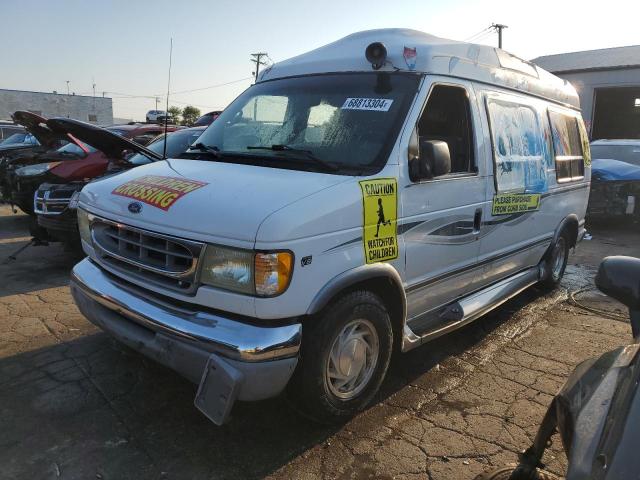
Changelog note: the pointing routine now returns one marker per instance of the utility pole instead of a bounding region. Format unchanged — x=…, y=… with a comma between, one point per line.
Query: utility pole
x=68, y=92
x=257, y=59
x=498, y=27
x=157, y=100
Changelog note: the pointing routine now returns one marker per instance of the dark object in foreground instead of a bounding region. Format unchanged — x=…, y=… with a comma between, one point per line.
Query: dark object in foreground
x=597, y=410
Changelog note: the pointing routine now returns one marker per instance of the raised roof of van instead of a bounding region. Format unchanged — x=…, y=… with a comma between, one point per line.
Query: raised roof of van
x=433, y=55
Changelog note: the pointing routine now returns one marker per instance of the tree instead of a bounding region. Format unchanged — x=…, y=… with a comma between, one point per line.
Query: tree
x=175, y=113
x=190, y=115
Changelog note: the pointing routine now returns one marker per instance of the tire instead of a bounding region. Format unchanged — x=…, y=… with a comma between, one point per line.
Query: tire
x=26, y=208
x=555, y=262
x=346, y=325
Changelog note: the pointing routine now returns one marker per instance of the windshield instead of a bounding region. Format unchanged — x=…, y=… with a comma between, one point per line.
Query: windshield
x=624, y=153
x=348, y=120
x=75, y=149
x=20, y=138
x=177, y=142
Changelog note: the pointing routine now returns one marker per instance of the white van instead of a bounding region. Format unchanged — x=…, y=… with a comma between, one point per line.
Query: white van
x=365, y=197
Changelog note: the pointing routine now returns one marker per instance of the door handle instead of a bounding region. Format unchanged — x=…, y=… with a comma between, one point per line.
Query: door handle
x=477, y=220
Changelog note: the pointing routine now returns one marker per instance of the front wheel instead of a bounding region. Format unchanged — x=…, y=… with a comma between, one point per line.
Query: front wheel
x=555, y=262
x=345, y=356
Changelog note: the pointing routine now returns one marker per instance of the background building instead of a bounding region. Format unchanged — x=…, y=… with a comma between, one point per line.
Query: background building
x=98, y=110
x=608, y=82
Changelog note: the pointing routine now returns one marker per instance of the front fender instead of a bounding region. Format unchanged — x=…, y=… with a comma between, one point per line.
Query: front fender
x=357, y=275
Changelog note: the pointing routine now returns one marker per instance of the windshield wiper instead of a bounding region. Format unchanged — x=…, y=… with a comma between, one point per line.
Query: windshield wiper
x=307, y=154
x=213, y=150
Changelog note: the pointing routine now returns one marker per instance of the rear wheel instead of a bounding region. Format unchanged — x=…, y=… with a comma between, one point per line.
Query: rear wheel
x=555, y=262
x=345, y=356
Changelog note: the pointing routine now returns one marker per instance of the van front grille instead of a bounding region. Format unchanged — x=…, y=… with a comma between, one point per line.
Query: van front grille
x=166, y=261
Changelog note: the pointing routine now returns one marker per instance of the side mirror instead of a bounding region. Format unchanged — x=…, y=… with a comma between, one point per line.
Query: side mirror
x=619, y=277
x=433, y=160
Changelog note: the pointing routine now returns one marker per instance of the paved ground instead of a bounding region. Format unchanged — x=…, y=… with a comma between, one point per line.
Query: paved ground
x=76, y=405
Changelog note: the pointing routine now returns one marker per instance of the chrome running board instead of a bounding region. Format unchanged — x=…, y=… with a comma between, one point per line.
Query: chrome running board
x=468, y=309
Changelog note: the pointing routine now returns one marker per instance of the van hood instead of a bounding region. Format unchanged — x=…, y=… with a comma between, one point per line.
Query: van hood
x=202, y=200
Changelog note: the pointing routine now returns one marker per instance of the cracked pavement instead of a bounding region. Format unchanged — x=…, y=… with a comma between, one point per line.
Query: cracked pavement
x=74, y=404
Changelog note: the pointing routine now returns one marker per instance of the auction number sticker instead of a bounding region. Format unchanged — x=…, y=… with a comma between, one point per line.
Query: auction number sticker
x=371, y=104
x=509, y=203
x=380, y=219
x=158, y=191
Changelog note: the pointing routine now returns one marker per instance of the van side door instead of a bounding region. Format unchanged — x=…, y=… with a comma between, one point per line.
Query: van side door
x=518, y=222
x=442, y=215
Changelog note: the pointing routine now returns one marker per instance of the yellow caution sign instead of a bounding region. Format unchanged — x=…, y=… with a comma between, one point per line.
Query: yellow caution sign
x=509, y=203
x=380, y=219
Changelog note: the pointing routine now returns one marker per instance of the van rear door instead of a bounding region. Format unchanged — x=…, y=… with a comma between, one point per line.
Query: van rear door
x=517, y=227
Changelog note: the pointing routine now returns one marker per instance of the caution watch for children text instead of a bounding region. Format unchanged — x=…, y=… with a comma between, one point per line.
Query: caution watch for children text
x=380, y=219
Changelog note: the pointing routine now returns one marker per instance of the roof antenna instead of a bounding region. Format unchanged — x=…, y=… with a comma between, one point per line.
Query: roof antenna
x=166, y=113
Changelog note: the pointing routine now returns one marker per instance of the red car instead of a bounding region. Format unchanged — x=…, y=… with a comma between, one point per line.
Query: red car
x=53, y=202
x=141, y=133
x=74, y=161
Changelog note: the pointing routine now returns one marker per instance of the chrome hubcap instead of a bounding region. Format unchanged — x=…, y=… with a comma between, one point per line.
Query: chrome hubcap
x=557, y=258
x=352, y=359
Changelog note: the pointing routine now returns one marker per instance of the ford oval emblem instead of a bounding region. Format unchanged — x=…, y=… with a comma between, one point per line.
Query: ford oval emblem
x=135, y=207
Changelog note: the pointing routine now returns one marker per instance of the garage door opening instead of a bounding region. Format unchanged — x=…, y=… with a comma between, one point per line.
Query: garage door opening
x=617, y=113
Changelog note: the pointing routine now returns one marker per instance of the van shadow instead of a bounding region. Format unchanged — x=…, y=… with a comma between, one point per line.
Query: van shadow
x=92, y=407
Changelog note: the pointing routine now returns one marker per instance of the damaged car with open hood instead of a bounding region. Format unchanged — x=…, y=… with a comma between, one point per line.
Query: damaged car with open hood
x=22, y=172
x=55, y=202
x=13, y=156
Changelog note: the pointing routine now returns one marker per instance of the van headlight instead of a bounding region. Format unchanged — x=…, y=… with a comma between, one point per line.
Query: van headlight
x=84, y=225
x=254, y=273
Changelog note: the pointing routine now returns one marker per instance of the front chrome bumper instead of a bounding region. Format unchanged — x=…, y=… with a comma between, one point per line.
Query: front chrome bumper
x=229, y=359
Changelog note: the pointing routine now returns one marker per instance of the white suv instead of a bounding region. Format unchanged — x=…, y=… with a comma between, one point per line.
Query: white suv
x=156, y=115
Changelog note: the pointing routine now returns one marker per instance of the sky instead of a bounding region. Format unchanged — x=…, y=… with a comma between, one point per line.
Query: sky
x=123, y=46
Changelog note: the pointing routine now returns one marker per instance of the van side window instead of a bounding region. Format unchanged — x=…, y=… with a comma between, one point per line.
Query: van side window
x=519, y=147
x=447, y=117
x=567, y=147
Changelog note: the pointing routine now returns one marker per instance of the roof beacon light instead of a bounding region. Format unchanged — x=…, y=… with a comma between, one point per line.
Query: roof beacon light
x=376, y=54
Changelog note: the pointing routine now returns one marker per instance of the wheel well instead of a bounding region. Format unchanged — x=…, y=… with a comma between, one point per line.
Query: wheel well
x=391, y=295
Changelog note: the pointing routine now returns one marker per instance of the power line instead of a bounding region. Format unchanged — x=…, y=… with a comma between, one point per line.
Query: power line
x=478, y=34
x=212, y=86
x=482, y=37
x=162, y=95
